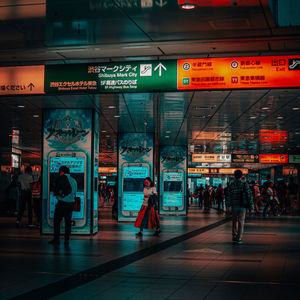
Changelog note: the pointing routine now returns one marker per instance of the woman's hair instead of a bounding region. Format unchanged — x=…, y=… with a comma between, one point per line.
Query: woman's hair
x=150, y=180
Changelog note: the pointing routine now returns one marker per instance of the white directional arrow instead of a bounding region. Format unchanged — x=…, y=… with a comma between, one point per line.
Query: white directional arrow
x=161, y=3
x=160, y=66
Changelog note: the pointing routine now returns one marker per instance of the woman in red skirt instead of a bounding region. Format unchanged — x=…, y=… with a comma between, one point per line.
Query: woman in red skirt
x=148, y=215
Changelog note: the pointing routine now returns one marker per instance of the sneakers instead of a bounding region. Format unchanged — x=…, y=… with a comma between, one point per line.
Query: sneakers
x=234, y=238
x=239, y=242
x=17, y=223
x=53, y=242
x=139, y=234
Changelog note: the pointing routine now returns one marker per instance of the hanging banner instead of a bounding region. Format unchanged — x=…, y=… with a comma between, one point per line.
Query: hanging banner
x=27, y=80
x=173, y=183
x=67, y=141
x=135, y=163
x=239, y=72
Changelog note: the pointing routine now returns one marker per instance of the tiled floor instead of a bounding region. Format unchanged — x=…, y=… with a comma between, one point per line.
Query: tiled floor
x=205, y=266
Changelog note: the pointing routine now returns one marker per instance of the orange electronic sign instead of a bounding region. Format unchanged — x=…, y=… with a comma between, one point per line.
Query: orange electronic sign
x=107, y=170
x=231, y=171
x=270, y=136
x=273, y=158
x=239, y=72
x=22, y=80
x=198, y=170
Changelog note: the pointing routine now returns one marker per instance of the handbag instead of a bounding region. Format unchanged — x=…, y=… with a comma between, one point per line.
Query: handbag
x=77, y=205
x=152, y=201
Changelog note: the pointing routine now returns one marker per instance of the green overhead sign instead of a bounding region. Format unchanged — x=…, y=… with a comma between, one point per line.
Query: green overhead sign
x=146, y=76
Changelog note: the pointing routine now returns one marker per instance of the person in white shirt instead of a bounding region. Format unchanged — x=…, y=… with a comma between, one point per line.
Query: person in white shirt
x=25, y=180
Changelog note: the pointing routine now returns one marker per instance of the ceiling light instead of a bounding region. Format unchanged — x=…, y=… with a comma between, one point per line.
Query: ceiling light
x=168, y=131
x=188, y=4
x=295, y=108
x=21, y=106
x=279, y=118
x=167, y=136
x=265, y=108
x=252, y=117
x=111, y=106
x=36, y=116
x=116, y=116
x=107, y=136
x=103, y=131
x=281, y=146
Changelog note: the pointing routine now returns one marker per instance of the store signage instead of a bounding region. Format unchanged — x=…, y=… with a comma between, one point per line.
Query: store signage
x=28, y=80
x=231, y=171
x=245, y=158
x=273, y=135
x=107, y=170
x=211, y=158
x=273, y=158
x=15, y=160
x=112, y=77
x=198, y=170
x=239, y=72
x=294, y=159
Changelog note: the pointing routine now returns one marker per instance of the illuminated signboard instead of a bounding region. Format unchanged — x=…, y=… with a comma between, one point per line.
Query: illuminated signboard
x=245, y=158
x=273, y=158
x=294, y=159
x=211, y=158
x=22, y=80
x=270, y=136
x=198, y=170
x=239, y=72
x=112, y=77
x=231, y=171
x=107, y=170
x=15, y=161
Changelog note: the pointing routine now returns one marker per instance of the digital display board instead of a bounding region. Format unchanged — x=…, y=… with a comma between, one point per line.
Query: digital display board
x=245, y=158
x=133, y=186
x=77, y=171
x=294, y=159
x=273, y=158
x=273, y=136
x=172, y=189
x=211, y=158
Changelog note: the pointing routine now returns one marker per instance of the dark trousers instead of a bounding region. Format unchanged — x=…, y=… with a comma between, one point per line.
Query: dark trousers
x=272, y=204
x=25, y=198
x=63, y=210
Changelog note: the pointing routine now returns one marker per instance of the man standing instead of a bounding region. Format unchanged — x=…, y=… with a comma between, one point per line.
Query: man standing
x=238, y=193
x=25, y=180
x=65, y=191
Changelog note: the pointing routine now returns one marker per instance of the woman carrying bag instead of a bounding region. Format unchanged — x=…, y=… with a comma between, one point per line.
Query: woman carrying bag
x=148, y=217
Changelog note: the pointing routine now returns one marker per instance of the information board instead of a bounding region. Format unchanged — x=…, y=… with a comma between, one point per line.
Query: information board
x=173, y=189
x=273, y=158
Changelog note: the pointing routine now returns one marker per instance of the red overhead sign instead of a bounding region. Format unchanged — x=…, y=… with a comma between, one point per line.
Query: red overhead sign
x=273, y=158
x=239, y=72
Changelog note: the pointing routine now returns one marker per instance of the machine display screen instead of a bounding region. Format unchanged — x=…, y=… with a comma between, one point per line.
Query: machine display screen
x=133, y=186
x=173, y=189
x=77, y=170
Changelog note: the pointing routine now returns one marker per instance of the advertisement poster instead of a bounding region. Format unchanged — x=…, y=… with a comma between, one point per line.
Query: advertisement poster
x=135, y=163
x=95, y=173
x=173, y=174
x=67, y=140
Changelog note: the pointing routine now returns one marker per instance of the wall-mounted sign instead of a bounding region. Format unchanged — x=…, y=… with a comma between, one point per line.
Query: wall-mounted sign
x=294, y=159
x=15, y=160
x=269, y=136
x=211, y=158
x=239, y=72
x=198, y=171
x=112, y=77
x=22, y=80
x=245, y=158
x=231, y=171
x=273, y=158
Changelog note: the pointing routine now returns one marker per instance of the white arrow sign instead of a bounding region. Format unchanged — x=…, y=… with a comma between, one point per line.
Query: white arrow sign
x=160, y=66
x=161, y=3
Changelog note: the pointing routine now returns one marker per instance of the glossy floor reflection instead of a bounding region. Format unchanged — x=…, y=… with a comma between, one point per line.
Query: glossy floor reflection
x=206, y=266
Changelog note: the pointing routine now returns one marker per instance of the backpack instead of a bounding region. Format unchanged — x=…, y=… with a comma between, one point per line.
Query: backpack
x=62, y=186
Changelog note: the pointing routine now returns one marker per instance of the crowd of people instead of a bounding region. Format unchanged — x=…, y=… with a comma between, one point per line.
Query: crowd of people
x=269, y=198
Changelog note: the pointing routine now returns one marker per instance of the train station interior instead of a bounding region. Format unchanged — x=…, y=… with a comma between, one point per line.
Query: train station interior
x=185, y=92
